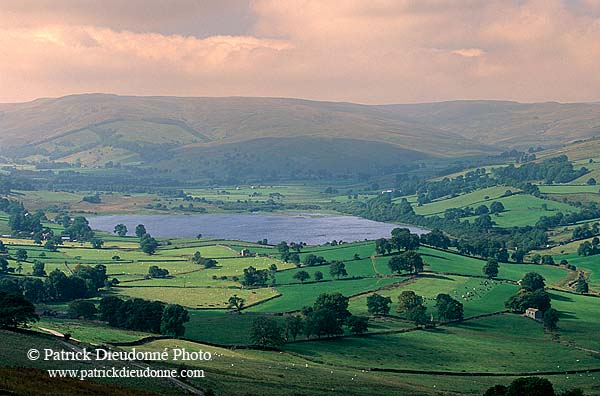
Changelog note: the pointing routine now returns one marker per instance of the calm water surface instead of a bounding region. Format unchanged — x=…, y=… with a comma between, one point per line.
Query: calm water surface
x=312, y=228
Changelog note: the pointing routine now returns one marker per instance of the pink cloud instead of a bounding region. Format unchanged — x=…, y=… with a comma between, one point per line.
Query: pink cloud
x=376, y=51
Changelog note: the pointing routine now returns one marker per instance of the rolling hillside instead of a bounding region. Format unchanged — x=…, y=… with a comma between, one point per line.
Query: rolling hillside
x=262, y=134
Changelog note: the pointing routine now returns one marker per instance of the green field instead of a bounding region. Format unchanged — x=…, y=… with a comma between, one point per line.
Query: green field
x=295, y=297
x=522, y=210
x=499, y=344
x=480, y=197
x=494, y=344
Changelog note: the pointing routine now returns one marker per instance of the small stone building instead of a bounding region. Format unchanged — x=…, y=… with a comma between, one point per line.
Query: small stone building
x=534, y=313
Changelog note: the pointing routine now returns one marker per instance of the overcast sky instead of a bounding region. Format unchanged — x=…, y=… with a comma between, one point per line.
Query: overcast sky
x=367, y=51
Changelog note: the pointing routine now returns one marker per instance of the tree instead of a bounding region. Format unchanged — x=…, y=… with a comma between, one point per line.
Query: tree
x=518, y=256
x=3, y=264
x=38, y=268
x=109, y=308
x=481, y=209
x=358, y=324
x=496, y=390
x=21, y=255
x=502, y=255
x=120, y=230
x=408, y=300
x=496, y=207
x=236, y=303
x=311, y=259
x=403, y=239
x=155, y=272
x=383, y=246
x=15, y=310
x=484, y=222
x=265, y=332
x=530, y=386
x=318, y=275
x=148, y=244
x=293, y=326
x=197, y=258
x=82, y=308
x=97, y=243
x=378, y=304
x=32, y=289
x=206, y=262
x=301, y=276
x=284, y=250
x=582, y=285
x=327, y=315
x=533, y=281
x=418, y=315
x=591, y=181
x=335, y=302
x=254, y=277
x=524, y=299
x=140, y=230
x=448, y=308
x=547, y=259
x=172, y=320
x=337, y=269
x=490, y=269
x=551, y=318
x=3, y=249
x=409, y=260
x=80, y=229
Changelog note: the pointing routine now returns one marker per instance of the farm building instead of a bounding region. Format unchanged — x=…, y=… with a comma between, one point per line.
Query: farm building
x=534, y=313
x=246, y=253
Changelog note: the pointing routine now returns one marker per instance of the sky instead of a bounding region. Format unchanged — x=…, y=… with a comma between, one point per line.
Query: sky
x=376, y=51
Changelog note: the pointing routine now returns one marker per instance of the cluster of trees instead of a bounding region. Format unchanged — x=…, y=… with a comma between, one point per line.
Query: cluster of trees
x=290, y=253
x=581, y=285
x=58, y=287
x=458, y=213
x=143, y=315
x=15, y=310
x=401, y=239
x=8, y=183
x=592, y=211
x=552, y=170
x=412, y=307
x=325, y=318
x=470, y=181
x=155, y=272
x=588, y=248
x=21, y=221
x=94, y=199
x=408, y=261
x=148, y=244
x=530, y=386
x=585, y=231
x=255, y=277
x=532, y=294
x=79, y=229
x=203, y=261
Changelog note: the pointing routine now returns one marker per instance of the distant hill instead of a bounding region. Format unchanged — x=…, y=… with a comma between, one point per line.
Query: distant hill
x=507, y=124
x=185, y=133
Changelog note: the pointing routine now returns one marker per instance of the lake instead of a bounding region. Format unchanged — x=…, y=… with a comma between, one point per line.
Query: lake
x=311, y=228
